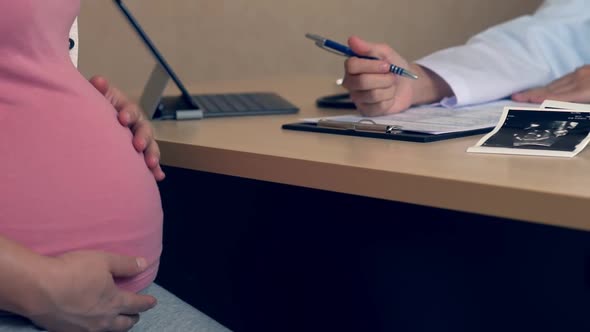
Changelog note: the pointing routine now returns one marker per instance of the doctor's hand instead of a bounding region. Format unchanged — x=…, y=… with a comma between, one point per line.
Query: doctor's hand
x=375, y=91
x=131, y=116
x=573, y=87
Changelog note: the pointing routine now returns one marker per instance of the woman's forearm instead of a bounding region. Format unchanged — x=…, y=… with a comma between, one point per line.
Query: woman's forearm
x=20, y=277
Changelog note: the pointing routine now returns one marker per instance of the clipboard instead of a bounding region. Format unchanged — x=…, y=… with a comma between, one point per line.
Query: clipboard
x=368, y=128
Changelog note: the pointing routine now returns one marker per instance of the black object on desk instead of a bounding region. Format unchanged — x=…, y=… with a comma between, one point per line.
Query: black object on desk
x=368, y=128
x=187, y=106
x=340, y=101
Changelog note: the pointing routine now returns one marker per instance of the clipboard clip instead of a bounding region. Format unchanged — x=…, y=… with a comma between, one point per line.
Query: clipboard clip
x=364, y=125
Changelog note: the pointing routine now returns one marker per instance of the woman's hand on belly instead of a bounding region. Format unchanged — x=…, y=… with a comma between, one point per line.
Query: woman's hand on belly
x=131, y=116
x=79, y=294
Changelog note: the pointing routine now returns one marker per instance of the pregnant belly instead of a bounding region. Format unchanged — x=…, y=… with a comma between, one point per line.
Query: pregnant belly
x=72, y=180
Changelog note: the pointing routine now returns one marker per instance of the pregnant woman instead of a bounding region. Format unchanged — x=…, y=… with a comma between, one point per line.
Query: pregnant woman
x=80, y=213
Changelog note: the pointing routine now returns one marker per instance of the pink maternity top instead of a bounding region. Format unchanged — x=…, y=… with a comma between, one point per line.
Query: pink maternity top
x=70, y=178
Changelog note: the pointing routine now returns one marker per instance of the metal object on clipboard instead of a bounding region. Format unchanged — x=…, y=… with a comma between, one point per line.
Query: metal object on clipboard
x=364, y=125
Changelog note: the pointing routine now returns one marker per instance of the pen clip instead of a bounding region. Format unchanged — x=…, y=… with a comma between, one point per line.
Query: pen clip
x=331, y=50
x=321, y=43
x=363, y=125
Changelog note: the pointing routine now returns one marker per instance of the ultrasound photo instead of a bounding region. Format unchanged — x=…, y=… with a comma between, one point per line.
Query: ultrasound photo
x=533, y=131
x=544, y=130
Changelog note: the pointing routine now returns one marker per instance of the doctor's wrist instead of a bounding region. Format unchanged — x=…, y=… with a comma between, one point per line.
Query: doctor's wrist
x=429, y=87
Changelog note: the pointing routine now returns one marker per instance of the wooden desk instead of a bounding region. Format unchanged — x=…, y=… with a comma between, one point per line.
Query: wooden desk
x=326, y=261
x=550, y=191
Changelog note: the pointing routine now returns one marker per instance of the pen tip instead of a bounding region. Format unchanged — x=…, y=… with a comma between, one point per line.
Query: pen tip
x=409, y=75
x=314, y=37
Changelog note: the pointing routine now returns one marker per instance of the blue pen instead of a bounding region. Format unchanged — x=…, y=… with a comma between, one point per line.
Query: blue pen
x=336, y=48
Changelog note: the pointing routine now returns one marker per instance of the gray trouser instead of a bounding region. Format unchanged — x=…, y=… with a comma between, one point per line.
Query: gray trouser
x=170, y=315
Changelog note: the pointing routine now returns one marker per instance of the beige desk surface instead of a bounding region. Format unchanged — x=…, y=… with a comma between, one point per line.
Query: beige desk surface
x=551, y=191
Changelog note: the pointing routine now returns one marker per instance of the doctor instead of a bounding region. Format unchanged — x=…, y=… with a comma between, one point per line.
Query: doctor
x=531, y=58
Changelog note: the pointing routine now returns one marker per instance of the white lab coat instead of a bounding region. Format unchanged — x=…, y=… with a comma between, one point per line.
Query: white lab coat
x=526, y=52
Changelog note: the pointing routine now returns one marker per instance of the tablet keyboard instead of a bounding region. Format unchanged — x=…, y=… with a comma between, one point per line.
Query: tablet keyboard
x=240, y=103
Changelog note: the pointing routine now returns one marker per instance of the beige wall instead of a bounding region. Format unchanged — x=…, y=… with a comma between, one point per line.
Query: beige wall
x=217, y=39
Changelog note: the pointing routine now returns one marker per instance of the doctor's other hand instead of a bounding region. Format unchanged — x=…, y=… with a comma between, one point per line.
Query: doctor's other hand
x=573, y=87
x=376, y=91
